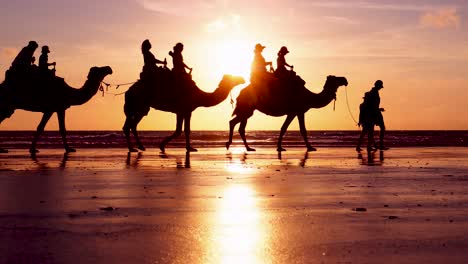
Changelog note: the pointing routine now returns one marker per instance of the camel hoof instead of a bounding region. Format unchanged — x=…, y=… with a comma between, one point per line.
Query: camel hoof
x=141, y=148
x=279, y=149
x=68, y=150
x=33, y=151
x=190, y=149
x=310, y=148
x=228, y=145
x=132, y=150
x=162, y=148
x=3, y=150
x=250, y=149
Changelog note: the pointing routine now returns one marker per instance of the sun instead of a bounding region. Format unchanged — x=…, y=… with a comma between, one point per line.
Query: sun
x=232, y=56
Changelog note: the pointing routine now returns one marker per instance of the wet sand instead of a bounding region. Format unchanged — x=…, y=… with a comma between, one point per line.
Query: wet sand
x=409, y=205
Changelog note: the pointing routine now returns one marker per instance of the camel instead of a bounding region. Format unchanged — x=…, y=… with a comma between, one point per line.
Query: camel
x=278, y=98
x=173, y=94
x=47, y=94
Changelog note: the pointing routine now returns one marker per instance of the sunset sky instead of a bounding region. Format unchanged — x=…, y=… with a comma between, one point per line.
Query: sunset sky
x=418, y=48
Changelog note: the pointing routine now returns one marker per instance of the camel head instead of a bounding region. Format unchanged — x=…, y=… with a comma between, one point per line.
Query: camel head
x=334, y=82
x=98, y=73
x=231, y=81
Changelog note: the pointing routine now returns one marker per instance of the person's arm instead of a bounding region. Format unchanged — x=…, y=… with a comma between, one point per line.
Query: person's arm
x=187, y=67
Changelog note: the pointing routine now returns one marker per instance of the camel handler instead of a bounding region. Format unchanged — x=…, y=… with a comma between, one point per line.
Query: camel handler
x=371, y=115
x=44, y=62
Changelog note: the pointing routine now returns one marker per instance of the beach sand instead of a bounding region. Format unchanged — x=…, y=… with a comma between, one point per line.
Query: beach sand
x=407, y=205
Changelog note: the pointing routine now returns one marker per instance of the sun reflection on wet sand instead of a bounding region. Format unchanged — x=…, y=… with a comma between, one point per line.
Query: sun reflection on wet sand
x=239, y=236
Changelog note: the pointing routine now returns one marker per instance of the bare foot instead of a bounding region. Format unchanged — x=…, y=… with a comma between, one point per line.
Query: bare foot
x=249, y=149
x=68, y=150
x=190, y=149
x=310, y=148
x=33, y=151
x=141, y=147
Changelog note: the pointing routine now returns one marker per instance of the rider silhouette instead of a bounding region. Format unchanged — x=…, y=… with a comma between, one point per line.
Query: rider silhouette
x=281, y=63
x=44, y=61
x=178, y=60
x=24, y=58
x=259, y=64
x=149, y=68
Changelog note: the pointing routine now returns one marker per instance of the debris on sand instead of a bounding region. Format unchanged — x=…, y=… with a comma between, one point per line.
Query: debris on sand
x=391, y=217
x=360, y=209
x=107, y=209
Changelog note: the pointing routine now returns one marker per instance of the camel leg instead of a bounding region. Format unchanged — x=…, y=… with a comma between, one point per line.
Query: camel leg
x=126, y=130
x=232, y=125
x=3, y=117
x=40, y=129
x=303, y=130
x=242, y=126
x=177, y=132
x=136, y=121
x=63, y=131
x=284, y=127
x=187, y=134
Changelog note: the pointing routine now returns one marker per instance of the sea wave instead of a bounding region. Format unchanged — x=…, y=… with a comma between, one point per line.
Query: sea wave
x=116, y=139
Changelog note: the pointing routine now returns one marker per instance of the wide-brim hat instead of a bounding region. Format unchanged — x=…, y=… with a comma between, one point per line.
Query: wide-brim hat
x=259, y=46
x=45, y=49
x=284, y=50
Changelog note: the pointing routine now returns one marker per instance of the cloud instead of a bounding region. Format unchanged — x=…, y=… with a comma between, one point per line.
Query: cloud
x=231, y=23
x=441, y=18
x=179, y=7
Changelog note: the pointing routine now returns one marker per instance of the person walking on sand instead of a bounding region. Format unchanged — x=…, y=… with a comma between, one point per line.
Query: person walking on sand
x=178, y=60
x=44, y=61
x=371, y=115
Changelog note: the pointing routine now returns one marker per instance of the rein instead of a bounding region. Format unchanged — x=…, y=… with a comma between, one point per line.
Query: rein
x=117, y=86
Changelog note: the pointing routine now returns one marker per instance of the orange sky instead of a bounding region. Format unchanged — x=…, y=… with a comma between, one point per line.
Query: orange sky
x=418, y=49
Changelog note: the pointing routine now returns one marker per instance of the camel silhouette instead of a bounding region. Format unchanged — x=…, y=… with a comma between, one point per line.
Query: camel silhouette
x=279, y=98
x=47, y=94
x=172, y=94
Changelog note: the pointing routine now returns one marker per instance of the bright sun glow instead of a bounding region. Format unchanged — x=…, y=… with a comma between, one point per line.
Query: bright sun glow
x=233, y=57
x=239, y=232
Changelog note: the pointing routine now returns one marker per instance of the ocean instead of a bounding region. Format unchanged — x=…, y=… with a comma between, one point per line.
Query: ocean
x=200, y=139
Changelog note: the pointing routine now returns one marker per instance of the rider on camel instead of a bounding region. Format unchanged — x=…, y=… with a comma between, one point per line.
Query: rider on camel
x=281, y=64
x=44, y=62
x=149, y=68
x=178, y=60
x=259, y=64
